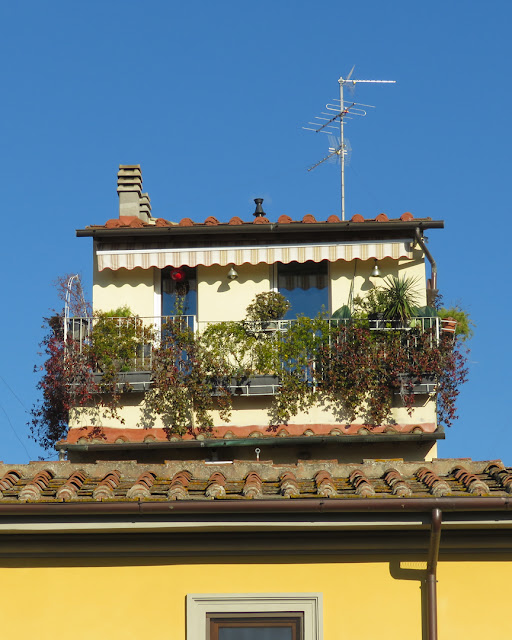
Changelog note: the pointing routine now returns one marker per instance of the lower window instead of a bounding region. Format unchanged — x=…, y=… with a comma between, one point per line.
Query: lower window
x=255, y=628
x=255, y=616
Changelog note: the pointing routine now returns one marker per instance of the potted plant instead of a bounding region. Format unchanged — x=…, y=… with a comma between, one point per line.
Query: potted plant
x=372, y=306
x=458, y=321
x=401, y=299
x=266, y=307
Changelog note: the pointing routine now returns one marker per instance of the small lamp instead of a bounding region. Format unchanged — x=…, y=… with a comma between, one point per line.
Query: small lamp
x=232, y=274
x=375, y=271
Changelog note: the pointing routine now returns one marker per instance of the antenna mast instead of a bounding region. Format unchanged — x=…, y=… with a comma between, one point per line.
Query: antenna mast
x=342, y=112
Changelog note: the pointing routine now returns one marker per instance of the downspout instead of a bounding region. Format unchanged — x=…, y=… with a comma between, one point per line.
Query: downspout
x=433, y=555
x=432, y=292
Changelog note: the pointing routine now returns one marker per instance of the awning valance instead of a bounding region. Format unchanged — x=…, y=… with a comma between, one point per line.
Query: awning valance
x=116, y=257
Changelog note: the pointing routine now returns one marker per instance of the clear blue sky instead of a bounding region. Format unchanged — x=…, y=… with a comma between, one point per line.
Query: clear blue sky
x=209, y=97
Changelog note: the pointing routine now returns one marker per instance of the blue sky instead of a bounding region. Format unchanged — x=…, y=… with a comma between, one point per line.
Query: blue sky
x=210, y=98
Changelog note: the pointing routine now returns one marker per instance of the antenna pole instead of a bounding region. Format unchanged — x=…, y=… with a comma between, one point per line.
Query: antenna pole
x=326, y=125
x=342, y=154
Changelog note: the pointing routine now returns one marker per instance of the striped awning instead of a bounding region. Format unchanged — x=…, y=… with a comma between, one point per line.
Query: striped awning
x=129, y=257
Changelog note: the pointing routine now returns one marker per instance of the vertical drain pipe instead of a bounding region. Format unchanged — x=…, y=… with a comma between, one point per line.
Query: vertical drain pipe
x=433, y=554
x=432, y=292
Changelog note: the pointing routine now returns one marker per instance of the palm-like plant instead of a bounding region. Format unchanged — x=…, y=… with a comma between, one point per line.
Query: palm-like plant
x=402, y=297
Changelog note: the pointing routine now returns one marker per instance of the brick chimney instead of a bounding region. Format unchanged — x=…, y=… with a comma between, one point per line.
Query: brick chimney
x=132, y=202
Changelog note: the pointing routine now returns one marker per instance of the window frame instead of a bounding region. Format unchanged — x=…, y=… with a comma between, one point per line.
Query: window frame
x=200, y=606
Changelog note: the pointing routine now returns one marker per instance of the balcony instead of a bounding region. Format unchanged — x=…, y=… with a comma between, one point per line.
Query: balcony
x=128, y=348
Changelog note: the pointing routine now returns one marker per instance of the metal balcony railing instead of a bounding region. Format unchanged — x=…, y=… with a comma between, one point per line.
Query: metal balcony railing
x=147, y=332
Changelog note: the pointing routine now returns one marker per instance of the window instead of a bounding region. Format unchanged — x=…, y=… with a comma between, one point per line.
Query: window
x=255, y=628
x=305, y=286
x=256, y=616
x=179, y=291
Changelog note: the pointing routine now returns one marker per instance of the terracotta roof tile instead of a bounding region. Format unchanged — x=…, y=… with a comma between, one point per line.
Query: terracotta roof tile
x=289, y=486
x=436, y=485
x=471, y=481
x=56, y=482
x=142, y=488
x=503, y=477
x=398, y=485
x=216, y=486
x=134, y=222
x=107, y=485
x=9, y=480
x=253, y=486
x=32, y=490
x=110, y=434
x=178, y=489
x=325, y=485
x=361, y=484
x=69, y=490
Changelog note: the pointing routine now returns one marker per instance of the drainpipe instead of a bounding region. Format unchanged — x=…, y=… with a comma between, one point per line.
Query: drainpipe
x=433, y=554
x=432, y=292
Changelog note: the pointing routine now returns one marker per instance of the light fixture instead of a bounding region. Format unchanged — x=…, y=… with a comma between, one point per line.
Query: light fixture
x=375, y=271
x=232, y=274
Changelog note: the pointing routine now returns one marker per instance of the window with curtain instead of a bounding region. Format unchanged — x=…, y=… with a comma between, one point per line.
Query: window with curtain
x=305, y=285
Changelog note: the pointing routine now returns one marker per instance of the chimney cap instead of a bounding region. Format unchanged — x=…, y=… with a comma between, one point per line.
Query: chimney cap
x=259, y=213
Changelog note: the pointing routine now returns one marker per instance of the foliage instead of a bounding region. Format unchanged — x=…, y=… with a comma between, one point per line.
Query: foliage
x=360, y=372
x=186, y=372
x=402, y=297
x=67, y=382
x=269, y=305
x=116, y=344
x=465, y=326
x=375, y=301
x=396, y=299
x=365, y=369
x=296, y=351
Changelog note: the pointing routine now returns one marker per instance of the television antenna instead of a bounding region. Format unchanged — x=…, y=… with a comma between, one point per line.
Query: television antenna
x=329, y=123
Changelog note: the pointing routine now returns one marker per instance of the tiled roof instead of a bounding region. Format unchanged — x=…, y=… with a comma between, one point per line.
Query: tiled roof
x=115, y=435
x=134, y=222
x=57, y=482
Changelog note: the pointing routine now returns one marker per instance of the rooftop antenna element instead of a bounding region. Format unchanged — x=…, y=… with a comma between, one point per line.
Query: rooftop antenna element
x=342, y=113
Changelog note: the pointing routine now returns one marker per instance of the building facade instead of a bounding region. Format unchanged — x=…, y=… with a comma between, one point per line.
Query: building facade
x=199, y=514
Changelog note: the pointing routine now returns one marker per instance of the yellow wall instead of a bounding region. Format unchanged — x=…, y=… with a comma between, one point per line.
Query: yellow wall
x=246, y=412
x=220, y=299
x=54, y=599
x=343, y=273
x=131, y=287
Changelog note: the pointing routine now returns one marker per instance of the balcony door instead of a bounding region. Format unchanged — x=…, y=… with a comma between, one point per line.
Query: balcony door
x=179, y=291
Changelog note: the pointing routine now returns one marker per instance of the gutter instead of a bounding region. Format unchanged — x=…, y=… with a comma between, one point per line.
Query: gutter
x=253, y=442
x=251, y=229
x=259, y=506
x=433, y=265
